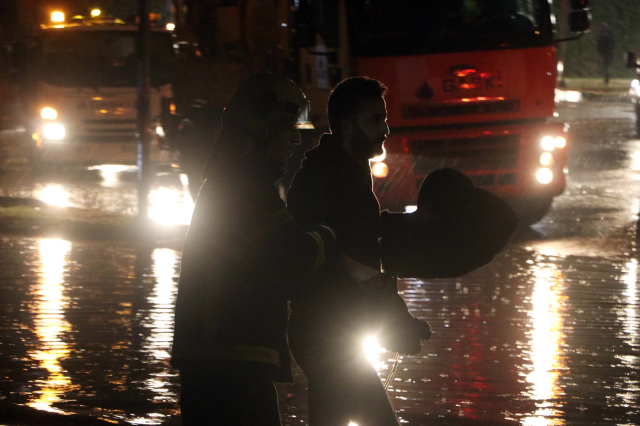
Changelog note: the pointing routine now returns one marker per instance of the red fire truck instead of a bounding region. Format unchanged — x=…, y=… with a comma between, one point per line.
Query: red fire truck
x=471, y=82
x=471, y=87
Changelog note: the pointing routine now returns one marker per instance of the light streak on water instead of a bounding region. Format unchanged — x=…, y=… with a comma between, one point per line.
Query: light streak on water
x=51, y=328
x=547, y=340
x=55, y=195
x=160, y=320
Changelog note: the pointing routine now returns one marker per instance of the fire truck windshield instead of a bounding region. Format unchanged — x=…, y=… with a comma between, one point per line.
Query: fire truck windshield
x=409, y=27
x=100, y=58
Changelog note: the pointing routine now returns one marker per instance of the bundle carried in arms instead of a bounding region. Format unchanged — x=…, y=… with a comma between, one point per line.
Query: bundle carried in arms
x=456, y=229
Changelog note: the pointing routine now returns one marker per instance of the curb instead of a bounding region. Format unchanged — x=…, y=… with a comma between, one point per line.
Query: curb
x=34, y=218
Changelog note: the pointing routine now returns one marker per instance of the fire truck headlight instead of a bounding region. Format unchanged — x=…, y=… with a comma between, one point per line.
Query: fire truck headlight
x=544, y=176
x=547, y=143
x=546, y=159
x=57, y=17
x=560, y=142
x=379, y=170
x=54, y=131
x=48, y=113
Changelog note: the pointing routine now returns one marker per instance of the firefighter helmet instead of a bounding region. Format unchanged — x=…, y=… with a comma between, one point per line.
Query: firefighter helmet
x=264, y=104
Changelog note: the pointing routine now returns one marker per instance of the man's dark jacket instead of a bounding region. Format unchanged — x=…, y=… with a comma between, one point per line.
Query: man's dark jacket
x=244, y=257
x=332, y=187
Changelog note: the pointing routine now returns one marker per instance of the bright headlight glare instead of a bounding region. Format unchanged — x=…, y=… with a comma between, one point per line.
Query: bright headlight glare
x=544, y=176
x=546, y=159
x=379, y=170
x=54, y=131
x=560, y=142
x=547, y=143
x=48, y=113
x=635, y=83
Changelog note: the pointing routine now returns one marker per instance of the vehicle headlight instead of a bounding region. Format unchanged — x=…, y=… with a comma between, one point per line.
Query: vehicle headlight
x=54, y=131
x=380, y=170
x=560, y=142
x=48, y=113
x=544, y=175
x=546, y=159
x=547, y=143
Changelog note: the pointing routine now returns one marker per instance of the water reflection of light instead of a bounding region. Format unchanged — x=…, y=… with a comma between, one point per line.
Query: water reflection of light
x=50, y=325
x=54, y=195
x=630, y=302
x=171, y=206
x=160, y=321
x=635, y=160
x=629, y=316
x=546, y=346
x=109, y=172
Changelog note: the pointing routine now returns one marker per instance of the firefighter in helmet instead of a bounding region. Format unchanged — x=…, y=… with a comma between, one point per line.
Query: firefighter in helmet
x=244, y=258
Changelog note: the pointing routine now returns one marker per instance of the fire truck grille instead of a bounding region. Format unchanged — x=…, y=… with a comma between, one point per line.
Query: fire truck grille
x=486, y=153
x=410, y=111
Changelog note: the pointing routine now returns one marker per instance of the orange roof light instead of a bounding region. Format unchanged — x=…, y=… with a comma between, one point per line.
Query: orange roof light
x=57, y=16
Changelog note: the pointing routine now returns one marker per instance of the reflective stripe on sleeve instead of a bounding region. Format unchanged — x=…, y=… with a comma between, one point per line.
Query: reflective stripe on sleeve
x=320, y=255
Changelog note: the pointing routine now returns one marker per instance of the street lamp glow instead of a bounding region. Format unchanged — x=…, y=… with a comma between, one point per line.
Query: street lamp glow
x=57, y=17
x=171, y=26
x=95, y=13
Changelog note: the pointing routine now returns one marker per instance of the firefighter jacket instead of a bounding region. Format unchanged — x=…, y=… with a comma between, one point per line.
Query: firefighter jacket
x=332, y=187
x=243, y=258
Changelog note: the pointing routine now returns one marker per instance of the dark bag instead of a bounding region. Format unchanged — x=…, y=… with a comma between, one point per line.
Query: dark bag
x=456, y=229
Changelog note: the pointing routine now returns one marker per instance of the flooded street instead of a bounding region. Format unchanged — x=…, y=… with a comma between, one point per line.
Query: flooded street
x=546, y=335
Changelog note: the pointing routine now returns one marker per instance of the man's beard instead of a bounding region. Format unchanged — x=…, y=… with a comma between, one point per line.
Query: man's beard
x=363, y=147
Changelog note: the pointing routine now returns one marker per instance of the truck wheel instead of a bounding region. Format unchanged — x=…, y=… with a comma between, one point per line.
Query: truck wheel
x=532, y=210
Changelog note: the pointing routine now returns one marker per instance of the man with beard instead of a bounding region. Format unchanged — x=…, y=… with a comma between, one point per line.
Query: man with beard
x=328, y=327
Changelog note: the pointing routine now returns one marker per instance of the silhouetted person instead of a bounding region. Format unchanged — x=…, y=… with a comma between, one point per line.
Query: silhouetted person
x=606, y=44
x=244, y=257
x=327, y=328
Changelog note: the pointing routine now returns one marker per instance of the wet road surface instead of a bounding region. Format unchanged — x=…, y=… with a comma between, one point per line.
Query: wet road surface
x=548, y=334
